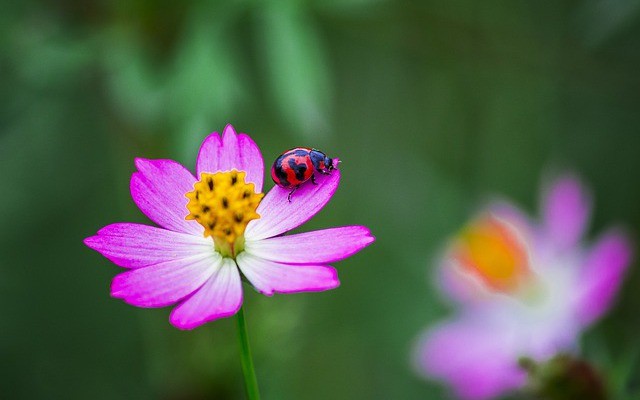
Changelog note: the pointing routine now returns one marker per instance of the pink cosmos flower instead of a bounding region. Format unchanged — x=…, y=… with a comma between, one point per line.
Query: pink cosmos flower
x=522, y=288
x=216, y=229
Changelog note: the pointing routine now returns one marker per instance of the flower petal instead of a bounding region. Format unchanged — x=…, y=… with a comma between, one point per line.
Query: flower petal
x=278, y=215
x=219, y=297
x=317, y=247
x=473, y=359
x=566, y=209
x=460, y=286
x=602, y=275
x=514, y=216
x=134, y=245
x=251, y=161
x=159, y=189
x=232, y=152
x=165, y=283
x=269, y=277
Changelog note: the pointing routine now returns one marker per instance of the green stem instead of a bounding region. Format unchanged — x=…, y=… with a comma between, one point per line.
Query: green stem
x=250, y=381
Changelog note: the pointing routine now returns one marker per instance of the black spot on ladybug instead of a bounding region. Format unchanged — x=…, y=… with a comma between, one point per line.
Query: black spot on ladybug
x=239, y=217
x=210, y=184
x=205, y=209
x=234, y=180
x=298, y=169
x=280, y=173
x=225, y=203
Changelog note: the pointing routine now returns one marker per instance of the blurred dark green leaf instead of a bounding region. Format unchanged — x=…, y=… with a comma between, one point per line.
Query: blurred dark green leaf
x=295, y=66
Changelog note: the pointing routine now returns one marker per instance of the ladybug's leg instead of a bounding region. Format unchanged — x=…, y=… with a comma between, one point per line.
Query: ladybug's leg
x=313, y=179
x=291, y=192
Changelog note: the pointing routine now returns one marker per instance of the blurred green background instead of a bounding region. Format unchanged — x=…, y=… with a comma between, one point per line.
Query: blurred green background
x=432, y=106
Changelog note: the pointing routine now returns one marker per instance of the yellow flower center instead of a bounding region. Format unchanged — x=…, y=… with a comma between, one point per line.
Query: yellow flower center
x=491, y=250
x=223, y=203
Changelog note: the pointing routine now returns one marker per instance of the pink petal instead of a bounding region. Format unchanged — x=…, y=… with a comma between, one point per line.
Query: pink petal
x=135, y=245
x=603, y=274
x=512, y=215
x=317, y=247
x=165, y=283
x=219, y=297
x=474, y=360
x=278, y=215
x=270, y=277
x=159, y=190
x=232, y=152
x=458, y=285
x=566, y=209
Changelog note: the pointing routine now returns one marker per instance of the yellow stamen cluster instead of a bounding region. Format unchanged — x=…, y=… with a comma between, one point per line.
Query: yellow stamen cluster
x=223, y=203
x=489, y=249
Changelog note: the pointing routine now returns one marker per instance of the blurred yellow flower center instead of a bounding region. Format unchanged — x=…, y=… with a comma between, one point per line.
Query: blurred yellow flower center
x=490, y=249
x=223, y=203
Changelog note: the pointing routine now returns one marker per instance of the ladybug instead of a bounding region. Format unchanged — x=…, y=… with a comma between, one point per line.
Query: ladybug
x=296, y=166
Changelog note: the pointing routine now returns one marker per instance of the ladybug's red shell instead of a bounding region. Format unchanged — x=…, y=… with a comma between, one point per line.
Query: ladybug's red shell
x=292, y=168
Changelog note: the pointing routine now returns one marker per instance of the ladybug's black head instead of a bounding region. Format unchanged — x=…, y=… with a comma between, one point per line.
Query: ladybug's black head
x=320, y=161
x=328, y=162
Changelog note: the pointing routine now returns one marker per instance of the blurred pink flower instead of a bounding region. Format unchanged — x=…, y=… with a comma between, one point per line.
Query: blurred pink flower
x=522, y=289
x=216, y=227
